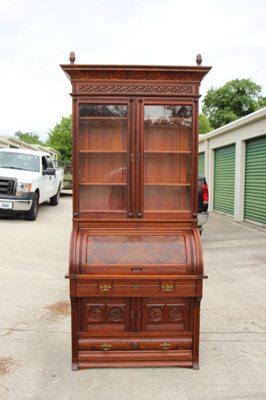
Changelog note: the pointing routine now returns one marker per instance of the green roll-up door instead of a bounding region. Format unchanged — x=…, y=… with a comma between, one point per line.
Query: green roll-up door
x=224, y=179
x=255, y=180
x=201, y=163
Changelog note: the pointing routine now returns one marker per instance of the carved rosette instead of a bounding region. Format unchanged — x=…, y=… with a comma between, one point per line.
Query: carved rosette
x=156, y=314
x=174, y=314
x=95, y=313
x=116, y=314
x=136, y=89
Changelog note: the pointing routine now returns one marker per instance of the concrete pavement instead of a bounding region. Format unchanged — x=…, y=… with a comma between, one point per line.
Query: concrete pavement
x=35, y=322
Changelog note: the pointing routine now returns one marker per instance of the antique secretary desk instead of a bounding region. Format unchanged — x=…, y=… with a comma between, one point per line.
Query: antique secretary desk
x=135, y=259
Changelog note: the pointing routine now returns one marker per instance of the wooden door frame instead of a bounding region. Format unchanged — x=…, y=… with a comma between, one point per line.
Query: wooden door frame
x=140, y=150
x=77, y=101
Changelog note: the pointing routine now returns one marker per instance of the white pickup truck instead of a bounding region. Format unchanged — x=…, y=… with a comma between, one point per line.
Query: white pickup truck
x=28, y=178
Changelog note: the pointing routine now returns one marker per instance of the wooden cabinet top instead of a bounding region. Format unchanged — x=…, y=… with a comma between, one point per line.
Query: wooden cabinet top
x=135, y=141
x=133, y=80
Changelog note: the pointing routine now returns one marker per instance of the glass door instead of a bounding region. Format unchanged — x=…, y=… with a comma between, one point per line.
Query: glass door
x=103, y=159
x=167, y=164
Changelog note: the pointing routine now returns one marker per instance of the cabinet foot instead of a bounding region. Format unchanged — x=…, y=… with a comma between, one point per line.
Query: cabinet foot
x=74, y=367
x=196, y=366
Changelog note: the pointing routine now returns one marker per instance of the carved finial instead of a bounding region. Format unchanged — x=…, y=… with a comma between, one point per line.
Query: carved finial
x=72, y=57
x=199, y=59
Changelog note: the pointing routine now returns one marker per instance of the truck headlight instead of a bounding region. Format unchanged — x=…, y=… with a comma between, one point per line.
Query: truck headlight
x=22, y=188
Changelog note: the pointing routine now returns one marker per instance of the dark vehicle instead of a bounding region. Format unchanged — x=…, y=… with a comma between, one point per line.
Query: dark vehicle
x=203, y=202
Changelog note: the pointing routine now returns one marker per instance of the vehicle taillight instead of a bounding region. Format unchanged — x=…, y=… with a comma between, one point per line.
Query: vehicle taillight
x=205, y=193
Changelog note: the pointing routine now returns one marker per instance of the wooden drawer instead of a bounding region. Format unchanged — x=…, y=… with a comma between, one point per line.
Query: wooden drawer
x=136, y=287
x=134, y=343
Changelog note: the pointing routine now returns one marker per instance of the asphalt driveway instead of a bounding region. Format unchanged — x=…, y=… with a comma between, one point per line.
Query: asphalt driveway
x=35, y=321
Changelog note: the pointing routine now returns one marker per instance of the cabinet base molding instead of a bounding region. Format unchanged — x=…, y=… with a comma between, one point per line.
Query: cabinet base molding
x=136, y=364
x=135, y=359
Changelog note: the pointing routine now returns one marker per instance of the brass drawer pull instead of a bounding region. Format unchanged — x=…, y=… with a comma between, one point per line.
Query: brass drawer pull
x=167, y=288
x=106, y=346
x=105, y=288
x=165, y=346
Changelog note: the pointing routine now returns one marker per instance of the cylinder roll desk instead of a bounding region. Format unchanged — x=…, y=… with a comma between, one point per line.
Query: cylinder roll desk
x=135, y=255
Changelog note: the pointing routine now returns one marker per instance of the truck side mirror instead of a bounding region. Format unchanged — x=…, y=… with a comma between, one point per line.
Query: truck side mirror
x=49, y=171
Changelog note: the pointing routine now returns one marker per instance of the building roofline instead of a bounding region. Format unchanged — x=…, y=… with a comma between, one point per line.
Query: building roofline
x=246, y=120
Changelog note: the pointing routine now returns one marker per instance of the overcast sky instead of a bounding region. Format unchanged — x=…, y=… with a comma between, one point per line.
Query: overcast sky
x=37, y=35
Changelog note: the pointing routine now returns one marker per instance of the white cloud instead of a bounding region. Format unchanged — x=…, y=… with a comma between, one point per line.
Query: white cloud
x=36, y=35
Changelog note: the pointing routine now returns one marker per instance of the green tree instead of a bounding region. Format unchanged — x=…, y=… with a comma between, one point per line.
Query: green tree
x=28, y=137
x=235, y=99
x=60, y=138
x=204, y=124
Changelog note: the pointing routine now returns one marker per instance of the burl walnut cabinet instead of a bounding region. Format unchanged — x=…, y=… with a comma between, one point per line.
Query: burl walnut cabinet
x=135, y=256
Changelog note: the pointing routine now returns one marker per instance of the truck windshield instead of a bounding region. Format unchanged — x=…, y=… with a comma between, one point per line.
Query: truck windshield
x=24, y=162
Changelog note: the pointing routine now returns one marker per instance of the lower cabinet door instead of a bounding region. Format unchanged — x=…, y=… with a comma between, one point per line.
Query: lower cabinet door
x=166, y=314
x=103, y=316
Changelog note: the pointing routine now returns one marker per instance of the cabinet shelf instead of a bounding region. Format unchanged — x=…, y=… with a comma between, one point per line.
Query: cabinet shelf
x=102, y=184
x=167, y=184
x=103, y=118
x=170, y=119
x=167, y=151
x=102, y=151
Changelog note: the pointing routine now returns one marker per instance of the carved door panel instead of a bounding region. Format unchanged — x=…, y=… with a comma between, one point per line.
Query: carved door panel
x=104, y=315
x=166, y=315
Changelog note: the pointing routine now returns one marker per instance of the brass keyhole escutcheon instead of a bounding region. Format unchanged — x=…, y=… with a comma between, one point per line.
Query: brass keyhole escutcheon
x=135, y=346
x=167, y=288
x=136, y=287
x=106, y=346
x=165, y=346
x=105, y=288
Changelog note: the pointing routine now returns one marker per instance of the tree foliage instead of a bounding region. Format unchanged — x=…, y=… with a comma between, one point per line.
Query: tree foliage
x=29, y=137
x=204, y=124
x=235, y=99
x=60, y=138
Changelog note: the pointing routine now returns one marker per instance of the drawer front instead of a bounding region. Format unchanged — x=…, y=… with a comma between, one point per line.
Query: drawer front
x=136, y=288
x=134, y=343
x=136, y=269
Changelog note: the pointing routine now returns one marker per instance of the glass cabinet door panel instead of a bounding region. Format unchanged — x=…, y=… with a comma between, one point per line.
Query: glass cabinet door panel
x=167, y=128
x=103, y=157
x=162, y=168
x=103, y=198
x=103, y=168
x=167, y=157
x=167, y=198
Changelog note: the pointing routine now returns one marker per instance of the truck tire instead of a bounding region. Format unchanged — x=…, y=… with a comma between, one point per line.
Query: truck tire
x=32, y=214
x=55, y=199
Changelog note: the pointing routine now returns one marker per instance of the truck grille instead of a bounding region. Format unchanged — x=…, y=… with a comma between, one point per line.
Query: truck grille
x=7, y=186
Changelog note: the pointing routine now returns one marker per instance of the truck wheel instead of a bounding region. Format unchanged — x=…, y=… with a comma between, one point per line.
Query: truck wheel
x=55, y=199
x=32, y=214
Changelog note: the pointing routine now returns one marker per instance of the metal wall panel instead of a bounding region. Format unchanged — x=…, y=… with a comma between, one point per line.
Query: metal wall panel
x=255, y=180
x=224, y=179
x=201, y=163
